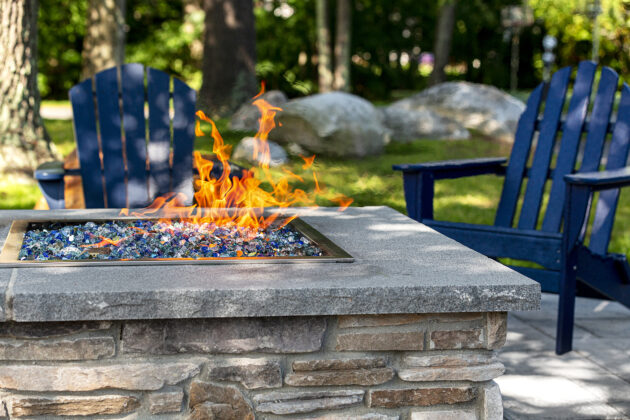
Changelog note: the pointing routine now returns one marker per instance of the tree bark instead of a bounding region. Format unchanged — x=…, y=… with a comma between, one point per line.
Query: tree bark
x=24, y=142
x=342, y=45
x=443, y=41
x=229, y=55
x=324, y=56
x=104, y=42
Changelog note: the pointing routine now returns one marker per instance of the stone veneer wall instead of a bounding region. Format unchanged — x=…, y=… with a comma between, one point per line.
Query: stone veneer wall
x=381, y=367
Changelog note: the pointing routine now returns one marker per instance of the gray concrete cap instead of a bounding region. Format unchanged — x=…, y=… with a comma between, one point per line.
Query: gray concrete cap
x=401, y=266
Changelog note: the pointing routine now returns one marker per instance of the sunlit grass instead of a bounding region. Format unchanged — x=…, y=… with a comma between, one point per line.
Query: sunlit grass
x=369, y=181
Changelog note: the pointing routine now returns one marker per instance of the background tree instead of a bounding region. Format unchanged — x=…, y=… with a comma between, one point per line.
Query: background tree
x=342, y=45
x=229, y=55
x=104, y=42
x=23, y=139
x=443, y=41
x=324, y=56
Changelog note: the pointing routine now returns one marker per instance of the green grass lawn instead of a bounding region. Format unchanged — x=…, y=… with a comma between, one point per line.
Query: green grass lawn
x=370, y=181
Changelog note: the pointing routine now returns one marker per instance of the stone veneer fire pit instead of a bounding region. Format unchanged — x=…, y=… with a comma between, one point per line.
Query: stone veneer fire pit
x=409, y=330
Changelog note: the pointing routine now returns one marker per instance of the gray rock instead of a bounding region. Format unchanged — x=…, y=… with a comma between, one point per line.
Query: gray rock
x=334, y=124
x=49, y=329
x=165, y=401
x=71, y=405
x=290, y=402
x=246, y=116
x=476, y=373
x=381, y=341
x=456, y=414
x=338, y=364
x=251, y=373
x=407, y=125
x=234, y=335
x=461, y=358
x=475, y=106
x=491, y=402
x=244, y=151
x=368, y=416
x=362, y=377
x=74, y=377
x=85, y=348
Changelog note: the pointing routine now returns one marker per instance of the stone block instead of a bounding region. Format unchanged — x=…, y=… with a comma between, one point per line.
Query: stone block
x=85, y=348
x=475, y=373
x=385, y=341
x=367, y=416
x=466, y=414
x=491, y=402
x=457, y=339
x=496, y=329
x=357, y=321
x=233, y=335
x=73, y=377
x=251, y=373
x=213, y=402
x=49, y=329
x=363, y=377
x=294, y=402
x=339, y=364
x=71, y=405
x=462, y=358
x=394, y=398
x=165, y=401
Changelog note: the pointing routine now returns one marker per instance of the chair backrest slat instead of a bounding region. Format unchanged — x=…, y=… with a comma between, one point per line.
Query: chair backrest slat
x=617, y=158
x=544, y=149
x=569, y=143
x=119, y=166
x=109, y=118
x=184, y=99
x=158, y=84
x=518, y=159
x=132, y=78
x=84, y=122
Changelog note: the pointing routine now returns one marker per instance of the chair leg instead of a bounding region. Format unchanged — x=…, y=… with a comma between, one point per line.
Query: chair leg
x=566, y=307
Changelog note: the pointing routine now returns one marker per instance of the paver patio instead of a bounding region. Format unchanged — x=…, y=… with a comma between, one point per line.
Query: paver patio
x=591, y=382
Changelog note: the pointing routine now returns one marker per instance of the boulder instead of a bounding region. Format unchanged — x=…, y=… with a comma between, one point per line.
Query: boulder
x=244, y=151
x=407, y=125
x=246, y=116
x=475, y=106
x=334, y=124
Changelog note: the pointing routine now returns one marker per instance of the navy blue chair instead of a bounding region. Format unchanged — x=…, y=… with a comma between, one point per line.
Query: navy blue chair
x=125, y=161
x=554, y=237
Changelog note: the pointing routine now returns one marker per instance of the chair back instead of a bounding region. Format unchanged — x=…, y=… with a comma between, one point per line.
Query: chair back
x=125, y=160
x=547, y=143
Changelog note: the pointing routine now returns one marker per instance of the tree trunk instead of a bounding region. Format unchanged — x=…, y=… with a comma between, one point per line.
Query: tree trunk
x=24, y=142
x=191, y=9
x=104, y=42
x=342, y=45
x=324, y=56
x=229, y=55
x=443, y=41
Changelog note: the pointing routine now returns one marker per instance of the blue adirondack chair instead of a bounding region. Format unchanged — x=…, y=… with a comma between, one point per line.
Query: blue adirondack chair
x=559, y=243
x=121, y=165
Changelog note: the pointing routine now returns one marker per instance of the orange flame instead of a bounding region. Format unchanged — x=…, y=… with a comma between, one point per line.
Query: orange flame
x=230, y=200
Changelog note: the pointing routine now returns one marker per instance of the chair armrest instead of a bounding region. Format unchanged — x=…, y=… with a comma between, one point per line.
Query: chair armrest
x=50, y=171
x=456, y=168
x=600, y=180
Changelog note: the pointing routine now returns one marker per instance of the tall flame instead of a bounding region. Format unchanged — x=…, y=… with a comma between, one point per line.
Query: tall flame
x=230, y=200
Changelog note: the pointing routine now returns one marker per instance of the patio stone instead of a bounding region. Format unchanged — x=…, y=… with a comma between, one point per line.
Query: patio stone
x=209, y=401
x=339, y=364
x=165, y=401
x=457, y=339
x=250, y=373
x=363, y=377
x=478, y=373
x=380, y=341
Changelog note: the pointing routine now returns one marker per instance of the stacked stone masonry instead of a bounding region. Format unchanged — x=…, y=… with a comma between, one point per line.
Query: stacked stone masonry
x=361, y=367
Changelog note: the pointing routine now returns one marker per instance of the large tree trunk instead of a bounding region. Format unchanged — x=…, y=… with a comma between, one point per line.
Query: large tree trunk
x=104, y=42
x=324, y=56
x=342, y=45
x=229, y=55
x=443, y=41
x=24, y=142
